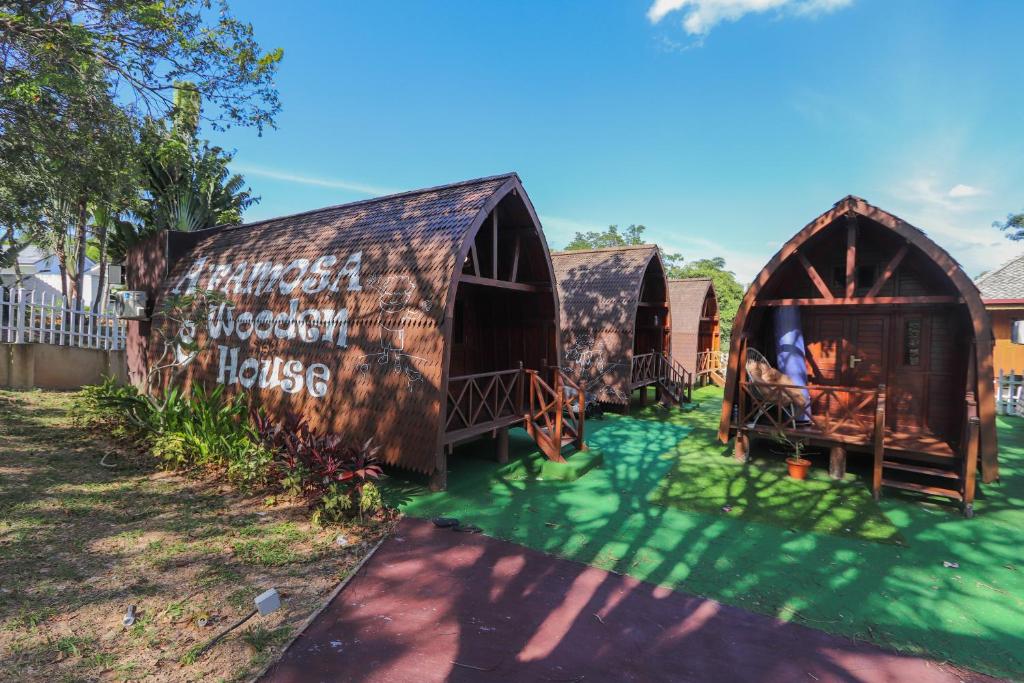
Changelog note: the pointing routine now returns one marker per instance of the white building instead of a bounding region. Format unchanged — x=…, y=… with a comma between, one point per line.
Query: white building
x=40, y=272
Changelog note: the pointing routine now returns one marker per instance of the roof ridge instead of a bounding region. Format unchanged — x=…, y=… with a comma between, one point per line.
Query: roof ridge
x=627, y=247
x=1006, y=264
x=369, y=200
x=690, y=279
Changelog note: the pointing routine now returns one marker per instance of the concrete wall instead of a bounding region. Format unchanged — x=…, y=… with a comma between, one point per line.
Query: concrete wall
x=45, y=366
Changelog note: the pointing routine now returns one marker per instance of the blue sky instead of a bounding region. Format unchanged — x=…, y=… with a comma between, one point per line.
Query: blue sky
x=722, y=125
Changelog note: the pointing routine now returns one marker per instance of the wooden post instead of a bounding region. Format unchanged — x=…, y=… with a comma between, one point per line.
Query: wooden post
x=742, y=447
x=851, y=254
x=643, y=396
x=502, y=445
x=971, y=466
x=876, y=476
x=439, y=478
x=837, y=462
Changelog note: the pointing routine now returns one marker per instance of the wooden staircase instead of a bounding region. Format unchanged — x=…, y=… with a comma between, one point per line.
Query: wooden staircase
x=949, y=475
x=674, y=380
x=555, y=414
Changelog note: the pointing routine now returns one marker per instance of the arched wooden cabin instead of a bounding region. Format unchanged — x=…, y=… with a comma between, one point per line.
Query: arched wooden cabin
x=695, y=328
x=898, y=353
x=616, y=323
x=421, y=319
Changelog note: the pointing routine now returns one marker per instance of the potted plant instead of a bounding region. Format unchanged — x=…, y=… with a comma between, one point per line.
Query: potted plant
x=795, y=463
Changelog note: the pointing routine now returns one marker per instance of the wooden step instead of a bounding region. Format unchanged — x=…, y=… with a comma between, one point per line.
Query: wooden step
x=920, y=469
x=921, y=488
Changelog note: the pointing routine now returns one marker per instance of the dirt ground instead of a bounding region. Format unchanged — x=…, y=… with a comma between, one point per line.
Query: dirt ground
x=80, y=541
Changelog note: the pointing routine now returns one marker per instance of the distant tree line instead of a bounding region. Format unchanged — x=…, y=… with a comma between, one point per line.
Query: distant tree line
x=727, y=288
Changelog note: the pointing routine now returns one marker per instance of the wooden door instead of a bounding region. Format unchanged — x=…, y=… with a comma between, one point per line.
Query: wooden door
x=924, y=376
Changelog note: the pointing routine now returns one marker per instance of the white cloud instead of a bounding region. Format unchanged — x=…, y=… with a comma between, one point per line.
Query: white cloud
x=700, y=16
x=335, y=183
x=960, y=191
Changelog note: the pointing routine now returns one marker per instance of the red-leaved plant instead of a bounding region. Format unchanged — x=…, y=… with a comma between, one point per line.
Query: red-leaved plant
x=313, y=464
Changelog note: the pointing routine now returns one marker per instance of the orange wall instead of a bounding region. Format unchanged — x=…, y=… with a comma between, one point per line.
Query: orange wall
x=1007, y=355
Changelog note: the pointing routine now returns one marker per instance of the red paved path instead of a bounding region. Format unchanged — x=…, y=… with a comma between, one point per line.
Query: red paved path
x=436, y=605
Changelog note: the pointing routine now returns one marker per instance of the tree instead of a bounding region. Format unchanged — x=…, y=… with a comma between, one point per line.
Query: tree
x=88, y=76
x=728, y=290
x=608, y=238
x=1013, y=226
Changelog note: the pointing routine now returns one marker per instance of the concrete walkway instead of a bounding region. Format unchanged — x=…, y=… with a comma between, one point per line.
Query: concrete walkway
x=437, y=605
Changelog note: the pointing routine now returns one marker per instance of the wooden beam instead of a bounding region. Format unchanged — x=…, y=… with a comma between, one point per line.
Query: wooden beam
x=494, y=243
x=862, y=301
x=815, y=278
x=651, y=304
x=503, y=284
x=515, y=261
x=851, y=255
x=476, y=261
x=890, y=268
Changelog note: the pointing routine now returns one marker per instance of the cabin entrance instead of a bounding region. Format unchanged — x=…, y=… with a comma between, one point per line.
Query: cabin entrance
x=908, y=351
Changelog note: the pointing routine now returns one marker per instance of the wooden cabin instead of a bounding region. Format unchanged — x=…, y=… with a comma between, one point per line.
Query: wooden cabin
x=897, y=353
x=695, y=328
x=422, y=319
x=616, y=324
x=1002, y=290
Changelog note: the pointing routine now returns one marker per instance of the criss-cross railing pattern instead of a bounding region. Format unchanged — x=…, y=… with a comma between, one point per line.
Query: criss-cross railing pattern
x=545, y=418
x=645, y=368
x=848, y=411
x=708, y=361
x=574, y=408
x=483, y=399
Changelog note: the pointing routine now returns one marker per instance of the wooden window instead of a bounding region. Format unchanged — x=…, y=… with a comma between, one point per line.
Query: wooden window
x=912, y=341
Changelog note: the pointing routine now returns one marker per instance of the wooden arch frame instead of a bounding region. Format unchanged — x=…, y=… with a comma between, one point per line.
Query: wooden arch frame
x=914, y=238
x=513, y=186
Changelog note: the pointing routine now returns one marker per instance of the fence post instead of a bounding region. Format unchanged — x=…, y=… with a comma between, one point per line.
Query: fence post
x=19, y=325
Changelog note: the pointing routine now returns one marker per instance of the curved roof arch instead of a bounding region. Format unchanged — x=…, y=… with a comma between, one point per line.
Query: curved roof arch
x=967, y=291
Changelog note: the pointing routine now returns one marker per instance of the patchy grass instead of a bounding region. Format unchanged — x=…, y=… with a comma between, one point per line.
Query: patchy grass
x=80, y=542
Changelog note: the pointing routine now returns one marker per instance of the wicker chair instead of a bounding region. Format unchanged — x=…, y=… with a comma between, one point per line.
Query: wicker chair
x=768, y=399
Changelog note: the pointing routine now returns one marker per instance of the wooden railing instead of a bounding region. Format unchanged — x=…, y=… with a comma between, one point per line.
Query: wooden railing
x=835, y=410
x=656, y=367
x=544, y=417
x=674, y=373
x=645, y=368
x=484, y=399
x=29, y=316
x=708, y=361
x=575, y=407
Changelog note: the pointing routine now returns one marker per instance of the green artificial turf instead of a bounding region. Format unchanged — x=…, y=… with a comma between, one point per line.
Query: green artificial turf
x=900, y=597
x=761, y=490
x=533, y=465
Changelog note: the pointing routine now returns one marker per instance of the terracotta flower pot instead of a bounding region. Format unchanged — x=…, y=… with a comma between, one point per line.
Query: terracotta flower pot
x=798, y=467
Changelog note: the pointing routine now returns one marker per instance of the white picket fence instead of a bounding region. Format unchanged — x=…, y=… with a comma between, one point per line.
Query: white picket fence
x=1009, y=393
x=31, y=316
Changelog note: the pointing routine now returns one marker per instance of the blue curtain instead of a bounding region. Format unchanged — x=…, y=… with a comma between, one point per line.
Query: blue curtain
x=791, y=351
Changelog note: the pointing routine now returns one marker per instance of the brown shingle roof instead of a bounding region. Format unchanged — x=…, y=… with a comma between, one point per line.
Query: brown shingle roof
x=386, y=382
x=686, y=303
x=598, y=292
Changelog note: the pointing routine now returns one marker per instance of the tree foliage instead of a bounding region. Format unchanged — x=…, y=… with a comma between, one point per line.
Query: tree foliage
x=727, y=288
x=607, y=238
x=80, y=83
x=1013, y=226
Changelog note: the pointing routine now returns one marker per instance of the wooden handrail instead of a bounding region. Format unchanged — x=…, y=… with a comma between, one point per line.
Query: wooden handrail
x=879, y=443
x=482, y=398
x=766, y=399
